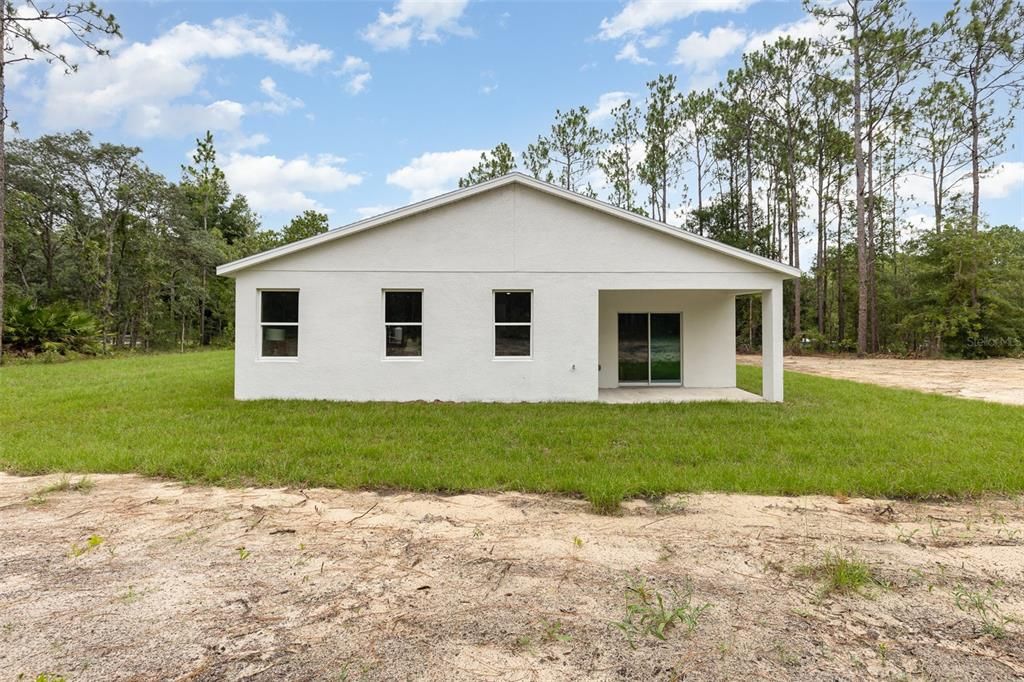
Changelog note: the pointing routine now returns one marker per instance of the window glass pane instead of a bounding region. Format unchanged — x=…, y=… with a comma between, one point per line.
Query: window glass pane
x=666, y=363
x=404, y=340
x=512, y=306
x=511, y=341
x=280, y=306
x=403, y=306
x=280, y=341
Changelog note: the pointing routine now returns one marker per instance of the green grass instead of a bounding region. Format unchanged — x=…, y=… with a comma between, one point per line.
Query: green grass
x=173, y=415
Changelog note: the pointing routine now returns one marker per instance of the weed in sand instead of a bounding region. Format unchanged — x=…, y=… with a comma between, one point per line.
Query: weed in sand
x=905, y=536
x=647, y=612
x=130, y=596
x=47, y=677
x=577, y=542
x=92, y=543
x=841, y=574
x=243, y=553
x=65, y=484
x=983, y=606
x=554, y=631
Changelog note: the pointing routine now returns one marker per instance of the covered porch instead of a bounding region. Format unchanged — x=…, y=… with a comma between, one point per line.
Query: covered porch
x=679, y=345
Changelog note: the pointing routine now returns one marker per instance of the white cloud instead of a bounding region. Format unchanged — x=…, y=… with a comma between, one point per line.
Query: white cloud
x=630, y=53
x=434, y=173
x=275, y=184
x=808, y=28
x=654, y=41
x=370, y=211
x=426, y=20
x=357, y=83
x=277, y=102
x=358, y=70
x=701, y=52
x=1002, y=180
x=247, y=142
x=141, y=84
x=605, y=104
x=353, y=64
x=641, y=15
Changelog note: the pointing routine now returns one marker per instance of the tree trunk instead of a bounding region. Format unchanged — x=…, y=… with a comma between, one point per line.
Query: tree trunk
x=3, y=164
x=750, y=193
x=858, y=154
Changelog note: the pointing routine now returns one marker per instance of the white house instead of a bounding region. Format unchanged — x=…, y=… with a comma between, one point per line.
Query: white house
x=510, y=290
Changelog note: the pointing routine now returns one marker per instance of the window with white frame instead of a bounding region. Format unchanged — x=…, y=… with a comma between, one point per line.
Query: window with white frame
x=512, y=315
x=403, y=324
x=279, y=324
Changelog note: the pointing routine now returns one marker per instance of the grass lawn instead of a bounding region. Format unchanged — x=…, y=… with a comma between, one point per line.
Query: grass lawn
x=173, y=415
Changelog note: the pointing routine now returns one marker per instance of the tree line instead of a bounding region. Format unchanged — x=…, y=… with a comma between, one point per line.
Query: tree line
x=818, y=135
x=805, y=138
x=91, y=229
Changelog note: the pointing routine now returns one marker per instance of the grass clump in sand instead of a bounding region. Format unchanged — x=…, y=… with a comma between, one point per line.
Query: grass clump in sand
x=841, y=574
x=649, y=613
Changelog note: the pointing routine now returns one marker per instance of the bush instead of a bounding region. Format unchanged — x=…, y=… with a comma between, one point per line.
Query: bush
x=52, y=329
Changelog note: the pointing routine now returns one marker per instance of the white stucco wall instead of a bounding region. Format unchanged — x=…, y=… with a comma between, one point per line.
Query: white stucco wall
x=579, y=263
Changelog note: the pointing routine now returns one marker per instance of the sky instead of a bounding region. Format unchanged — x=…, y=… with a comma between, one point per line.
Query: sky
x=359, y=107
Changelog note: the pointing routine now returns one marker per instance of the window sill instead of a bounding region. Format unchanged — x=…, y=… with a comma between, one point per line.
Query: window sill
x=277, y=359
x=512, y=358
x=400, y=358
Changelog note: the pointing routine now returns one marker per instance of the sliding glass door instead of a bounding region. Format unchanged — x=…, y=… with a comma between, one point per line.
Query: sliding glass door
x=650, y=349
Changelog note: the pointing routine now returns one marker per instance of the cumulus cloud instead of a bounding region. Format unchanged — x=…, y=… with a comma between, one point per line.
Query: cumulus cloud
x=357, y=71
x=605, y=104
x=700, y=52
x=141, y=84
x=275, y=184
x=808, y=28
x=434, y=173
x=630, y=53
x=277, y=102
x=639, y=16
x=1002, y=180
x=424, y=20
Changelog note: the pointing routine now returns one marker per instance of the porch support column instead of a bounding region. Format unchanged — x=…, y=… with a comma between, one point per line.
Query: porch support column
x=771, y=344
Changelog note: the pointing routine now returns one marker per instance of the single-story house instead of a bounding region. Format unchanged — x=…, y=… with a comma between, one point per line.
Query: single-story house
x=510, y=290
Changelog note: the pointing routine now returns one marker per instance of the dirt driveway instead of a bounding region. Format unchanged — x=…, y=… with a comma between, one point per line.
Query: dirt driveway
x=999, y=380
x=145, y=579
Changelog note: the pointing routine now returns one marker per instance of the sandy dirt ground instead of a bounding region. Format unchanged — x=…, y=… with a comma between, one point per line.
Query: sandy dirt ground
x=999, y=380
x=142, y=579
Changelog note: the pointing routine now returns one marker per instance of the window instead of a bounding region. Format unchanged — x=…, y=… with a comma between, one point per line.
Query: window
x=403, y=324
x=512, y=324
x=279, y=322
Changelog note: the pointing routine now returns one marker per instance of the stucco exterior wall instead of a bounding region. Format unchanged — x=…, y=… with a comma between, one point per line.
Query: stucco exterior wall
x=582, y=266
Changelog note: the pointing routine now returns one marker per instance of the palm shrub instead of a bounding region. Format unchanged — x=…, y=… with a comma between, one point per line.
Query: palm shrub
x=55, y=328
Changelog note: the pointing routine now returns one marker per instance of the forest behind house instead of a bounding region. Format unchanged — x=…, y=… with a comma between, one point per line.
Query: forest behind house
x=805, y=142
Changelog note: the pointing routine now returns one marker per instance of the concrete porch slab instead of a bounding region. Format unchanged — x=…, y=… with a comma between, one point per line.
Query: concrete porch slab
x=673, y=394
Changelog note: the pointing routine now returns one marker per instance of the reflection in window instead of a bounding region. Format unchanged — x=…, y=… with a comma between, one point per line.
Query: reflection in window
x=512, y=322
x=403, y=324
x=279, y=324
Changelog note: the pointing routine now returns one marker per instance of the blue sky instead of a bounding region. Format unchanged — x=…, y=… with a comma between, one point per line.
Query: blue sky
x=354, y=108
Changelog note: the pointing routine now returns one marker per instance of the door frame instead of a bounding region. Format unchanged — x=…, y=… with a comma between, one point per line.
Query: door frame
x=649, y=383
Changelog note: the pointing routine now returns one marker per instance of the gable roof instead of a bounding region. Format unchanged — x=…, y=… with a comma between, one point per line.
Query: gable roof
x=514, y=177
